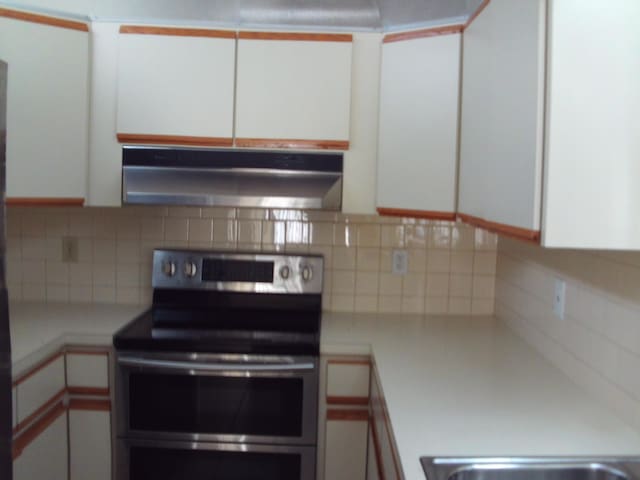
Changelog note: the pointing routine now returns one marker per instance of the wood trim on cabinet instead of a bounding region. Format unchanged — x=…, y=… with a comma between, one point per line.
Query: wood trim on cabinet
x=98, y=391
x=427, y=32
x=427, y=214
x=176, y=32
x=40, y=410
x=174, y=140
x=90, y=405
x=20, y=443
x=532, y=236
x=292, y=143
x=348, y=415
x=44, y=20
x=336, y=400
x=44, y=202
x=302, y=37
x=46, y=362
x=376, y=447
x=475, y=14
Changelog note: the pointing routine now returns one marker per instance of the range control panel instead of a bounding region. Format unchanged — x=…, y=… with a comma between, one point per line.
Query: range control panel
x=239, y=272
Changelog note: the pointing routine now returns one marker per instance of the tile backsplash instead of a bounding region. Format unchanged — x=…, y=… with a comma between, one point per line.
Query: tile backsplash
x=597, y=343
x=451, y=266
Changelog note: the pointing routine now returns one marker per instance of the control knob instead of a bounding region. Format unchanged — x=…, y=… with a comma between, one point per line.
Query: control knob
x=306, y=273
x=169, y=268
x=190, y=269
x=285, y=271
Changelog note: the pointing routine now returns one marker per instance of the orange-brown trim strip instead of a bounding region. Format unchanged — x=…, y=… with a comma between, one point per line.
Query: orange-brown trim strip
x=177, y=32
x=43, y=20
x=303, y=37
x=40, y=410
x=427, y=32
x=532, y=236
x=348, y=415
x=20, y=443
x=475, y=14
x=92, y=405
x=44, y=202
x=428, y=214
x=37, y=368
x=376, y=447
x=98, y=391
x=363, y=361
x=175, y=140
x=336, y=400
x=292, y=143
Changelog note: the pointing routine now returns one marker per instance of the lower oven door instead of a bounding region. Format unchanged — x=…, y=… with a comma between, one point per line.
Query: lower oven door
x=168, y=460
x=217, y=398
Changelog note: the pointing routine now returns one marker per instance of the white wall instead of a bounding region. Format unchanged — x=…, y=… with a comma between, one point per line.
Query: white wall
x=598, y=342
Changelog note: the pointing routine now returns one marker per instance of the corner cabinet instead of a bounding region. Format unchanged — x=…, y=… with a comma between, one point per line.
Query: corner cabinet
x=293, y=90
x=418, y=136
x=47, y=108
x=176, y=85
x=549, y=149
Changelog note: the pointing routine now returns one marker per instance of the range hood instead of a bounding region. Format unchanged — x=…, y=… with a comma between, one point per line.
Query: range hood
x=231, y=178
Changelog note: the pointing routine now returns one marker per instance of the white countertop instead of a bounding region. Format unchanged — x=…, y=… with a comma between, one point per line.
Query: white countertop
x=468, y=386
x=39, y=329
x=453, y=385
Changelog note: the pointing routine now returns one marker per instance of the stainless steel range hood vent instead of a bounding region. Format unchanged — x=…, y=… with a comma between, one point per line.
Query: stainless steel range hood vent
x=231, y=178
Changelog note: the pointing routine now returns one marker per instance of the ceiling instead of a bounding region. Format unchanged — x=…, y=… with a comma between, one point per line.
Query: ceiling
x=355, y=15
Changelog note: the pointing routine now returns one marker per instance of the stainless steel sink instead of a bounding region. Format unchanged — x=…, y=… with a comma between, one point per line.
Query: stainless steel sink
x=531, y=468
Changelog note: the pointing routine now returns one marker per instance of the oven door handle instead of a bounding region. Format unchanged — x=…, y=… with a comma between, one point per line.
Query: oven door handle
x=215, y=367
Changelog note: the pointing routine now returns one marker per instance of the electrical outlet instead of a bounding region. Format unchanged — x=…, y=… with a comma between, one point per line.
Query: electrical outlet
x=399, y=260
x=559, y=297
x=70, y=249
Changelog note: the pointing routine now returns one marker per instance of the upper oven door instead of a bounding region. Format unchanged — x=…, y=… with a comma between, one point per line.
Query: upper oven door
x=221, y=398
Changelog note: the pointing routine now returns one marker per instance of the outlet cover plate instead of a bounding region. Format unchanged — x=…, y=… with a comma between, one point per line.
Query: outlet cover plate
x=399, y=262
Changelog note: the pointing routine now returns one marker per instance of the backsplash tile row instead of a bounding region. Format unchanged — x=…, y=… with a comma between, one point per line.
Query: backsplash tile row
x=598, y=342
x=451, y=267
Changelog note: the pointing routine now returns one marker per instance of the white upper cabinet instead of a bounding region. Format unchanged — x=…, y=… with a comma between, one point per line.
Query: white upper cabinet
x=175, y=85
x=549, y=141
x=418, y=137
x=293, y=90
x=47, y=107
x=502, y=114
x=592, y=156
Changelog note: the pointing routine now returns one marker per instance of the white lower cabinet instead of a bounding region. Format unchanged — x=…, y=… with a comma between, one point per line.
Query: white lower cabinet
x=46, y=458
x=89, y=445
x=346, y=447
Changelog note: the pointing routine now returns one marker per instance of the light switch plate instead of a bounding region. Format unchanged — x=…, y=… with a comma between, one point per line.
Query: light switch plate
x=399, y=261
x=559, y=297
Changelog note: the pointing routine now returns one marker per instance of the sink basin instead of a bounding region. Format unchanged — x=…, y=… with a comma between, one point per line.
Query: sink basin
x=531, y=468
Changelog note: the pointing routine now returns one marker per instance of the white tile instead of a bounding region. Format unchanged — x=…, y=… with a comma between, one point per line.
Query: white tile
x=414, y=285
x=127, y=275
x=33, y=271
x=152, y=228
x=104, y=250
x=344, y=258
x=80, y=274
x=34, y=248
x=176, y=229
x=389, y=303
x=366, y=304
x=200, y=230
x=128, y=251
x=80, y=294
x=57, y=273
x=104, y=294
x=459, y=306
x=104, y=275
x=34, y=292
x=367, y=283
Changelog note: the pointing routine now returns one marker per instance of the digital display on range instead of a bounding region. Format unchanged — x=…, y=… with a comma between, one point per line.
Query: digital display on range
x=216, y=270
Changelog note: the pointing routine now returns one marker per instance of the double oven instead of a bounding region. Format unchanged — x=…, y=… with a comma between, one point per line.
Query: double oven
x=219, y=379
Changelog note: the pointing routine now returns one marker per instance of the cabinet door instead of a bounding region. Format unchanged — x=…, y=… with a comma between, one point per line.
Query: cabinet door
x=418, y=138
x=293, y=90
x=346, y=445
x=502, y=115
x=592, y=160
x=47, y=108
x=372, y=459
x=45, y=457
x=88, y=373
x=175, y=86
x=89, y=444
x=39, y=388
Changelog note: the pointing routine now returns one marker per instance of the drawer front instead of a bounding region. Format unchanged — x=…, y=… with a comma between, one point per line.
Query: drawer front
x=88, y=370
x=37, y=389
x=348, y=381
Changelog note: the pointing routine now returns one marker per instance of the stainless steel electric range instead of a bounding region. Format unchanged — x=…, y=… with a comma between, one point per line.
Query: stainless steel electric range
x=219, y=379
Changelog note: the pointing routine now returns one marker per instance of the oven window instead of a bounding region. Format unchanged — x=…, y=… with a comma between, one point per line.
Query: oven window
x=169, y=464
x=215, y=404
